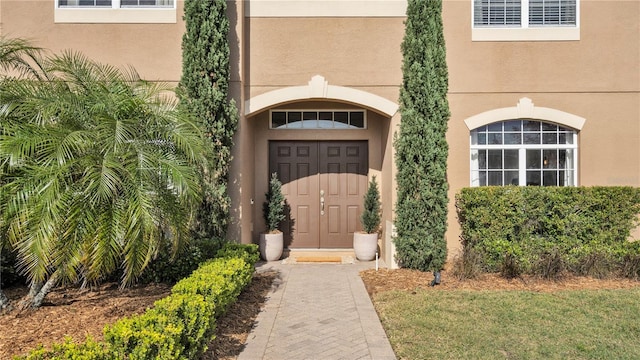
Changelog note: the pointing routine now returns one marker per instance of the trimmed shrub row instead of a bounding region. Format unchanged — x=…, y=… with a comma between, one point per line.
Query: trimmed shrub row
x=169, y=269
x=548, y=231
x=179, y=326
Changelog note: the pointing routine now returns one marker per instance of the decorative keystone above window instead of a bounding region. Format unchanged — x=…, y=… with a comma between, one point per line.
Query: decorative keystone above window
x=115, y=11
x=318, y=88
x=525, y=20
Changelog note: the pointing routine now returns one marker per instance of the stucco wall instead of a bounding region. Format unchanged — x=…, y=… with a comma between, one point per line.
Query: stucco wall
x=355, y=52
x=597, y=78
x=153, y=49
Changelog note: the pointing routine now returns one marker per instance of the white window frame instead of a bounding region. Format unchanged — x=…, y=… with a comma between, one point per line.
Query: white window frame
x=571, y=174
x=524, y=32
x=525, y=109
x=116, y=14
x=364, y=119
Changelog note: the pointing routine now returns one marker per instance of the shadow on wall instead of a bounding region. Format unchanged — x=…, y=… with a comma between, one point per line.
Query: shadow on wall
x=288, y=225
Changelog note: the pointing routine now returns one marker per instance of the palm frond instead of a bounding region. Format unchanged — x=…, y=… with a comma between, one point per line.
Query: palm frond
x=98, y=167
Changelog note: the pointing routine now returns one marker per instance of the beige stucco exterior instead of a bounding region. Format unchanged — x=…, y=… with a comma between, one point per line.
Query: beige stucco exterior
x=280, y=47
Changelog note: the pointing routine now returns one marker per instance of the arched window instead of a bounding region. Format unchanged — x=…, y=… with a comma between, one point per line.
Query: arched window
x=524, y=152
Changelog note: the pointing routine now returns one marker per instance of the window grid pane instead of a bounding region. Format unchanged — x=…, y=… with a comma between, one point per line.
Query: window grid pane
x=146, y=3
x=552, y=12
x=87, y=3
x=497, y=12
x=508, y=13
x=548, y=151
x=317, y=120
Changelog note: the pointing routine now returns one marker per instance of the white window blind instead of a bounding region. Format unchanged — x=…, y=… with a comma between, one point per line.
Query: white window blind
x=497, y=12
x=524, y=13
x=552, y=12
x=115, y=4
x=146, y=2
x=71, y=3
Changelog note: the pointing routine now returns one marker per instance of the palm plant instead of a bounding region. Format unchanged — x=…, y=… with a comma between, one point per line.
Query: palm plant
x=100, y=168
x=17, y=58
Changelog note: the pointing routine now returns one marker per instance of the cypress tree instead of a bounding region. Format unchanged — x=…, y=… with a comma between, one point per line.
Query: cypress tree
x=204, y=92
x=371, y=215
x=421, y=146
x=273, y=207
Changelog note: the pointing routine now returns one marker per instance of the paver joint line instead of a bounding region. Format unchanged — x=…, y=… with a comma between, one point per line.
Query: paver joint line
x=317, y=311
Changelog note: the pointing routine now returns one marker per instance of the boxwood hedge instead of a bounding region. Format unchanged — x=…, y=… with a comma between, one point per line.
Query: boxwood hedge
x=548, y=231
x=177, y=327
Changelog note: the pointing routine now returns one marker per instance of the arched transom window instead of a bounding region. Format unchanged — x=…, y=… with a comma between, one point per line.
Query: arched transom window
x=523, y=152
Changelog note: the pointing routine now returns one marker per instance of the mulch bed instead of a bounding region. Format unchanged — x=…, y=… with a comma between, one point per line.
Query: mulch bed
x=73, y=312
x=409, y=280
x=80, y=312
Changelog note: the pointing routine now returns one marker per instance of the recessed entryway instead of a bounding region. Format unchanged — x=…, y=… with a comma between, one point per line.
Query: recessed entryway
x=324, y=183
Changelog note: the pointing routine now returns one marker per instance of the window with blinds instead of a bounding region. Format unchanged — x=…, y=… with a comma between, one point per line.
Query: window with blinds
x=95, y=3
x=146, y=3
x=115, y=4
x=497, y=12
x=552, y=12
x=513, y=13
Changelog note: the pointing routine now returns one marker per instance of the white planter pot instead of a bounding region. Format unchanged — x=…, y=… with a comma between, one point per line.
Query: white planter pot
x=271, y=246
x=365, y=245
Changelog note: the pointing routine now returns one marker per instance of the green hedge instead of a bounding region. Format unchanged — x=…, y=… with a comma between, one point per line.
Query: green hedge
x=179, y=326
x=88, y=350
x=549, y=230
x=169, y=269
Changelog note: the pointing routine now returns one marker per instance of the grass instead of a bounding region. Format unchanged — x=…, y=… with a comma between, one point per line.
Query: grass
x=586, y=324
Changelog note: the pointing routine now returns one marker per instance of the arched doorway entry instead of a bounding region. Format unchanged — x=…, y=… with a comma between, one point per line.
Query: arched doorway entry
x=324, y=142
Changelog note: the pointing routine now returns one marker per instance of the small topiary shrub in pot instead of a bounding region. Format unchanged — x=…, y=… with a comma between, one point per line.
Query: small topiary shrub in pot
x=272, y=242
x=365, y=243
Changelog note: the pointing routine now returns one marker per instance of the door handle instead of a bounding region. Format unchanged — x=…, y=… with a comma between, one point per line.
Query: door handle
x=321, y=202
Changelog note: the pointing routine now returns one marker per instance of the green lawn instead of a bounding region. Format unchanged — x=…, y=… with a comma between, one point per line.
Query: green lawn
x=587, y=324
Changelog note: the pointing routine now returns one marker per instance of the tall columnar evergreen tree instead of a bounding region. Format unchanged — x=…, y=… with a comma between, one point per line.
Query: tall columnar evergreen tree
x=421, y=146
x=204, y=92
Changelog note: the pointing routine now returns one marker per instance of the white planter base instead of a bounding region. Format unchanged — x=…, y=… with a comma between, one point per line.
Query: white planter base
x=271, y=246
x=365, y=246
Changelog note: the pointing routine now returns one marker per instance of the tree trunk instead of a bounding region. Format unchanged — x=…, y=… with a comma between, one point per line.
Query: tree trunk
x=4, y=301
x=37, y=292
x=34, y=289
x=50, y=284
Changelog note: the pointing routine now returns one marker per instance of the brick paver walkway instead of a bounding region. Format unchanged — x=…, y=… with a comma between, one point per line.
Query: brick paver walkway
x=318, y=311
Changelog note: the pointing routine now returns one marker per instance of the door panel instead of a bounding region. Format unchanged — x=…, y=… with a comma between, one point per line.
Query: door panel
x=311, y=171
x=299, y=163
x=343, y=178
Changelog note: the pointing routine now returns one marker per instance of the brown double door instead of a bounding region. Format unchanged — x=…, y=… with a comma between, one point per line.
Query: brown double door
x=324, y=183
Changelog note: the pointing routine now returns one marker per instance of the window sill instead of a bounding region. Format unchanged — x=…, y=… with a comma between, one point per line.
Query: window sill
x=116, y=16
x=527, y=34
